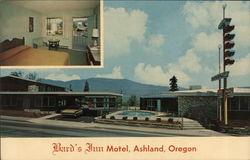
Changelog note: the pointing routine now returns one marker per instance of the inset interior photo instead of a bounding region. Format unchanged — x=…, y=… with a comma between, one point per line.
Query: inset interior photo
x=50, y=33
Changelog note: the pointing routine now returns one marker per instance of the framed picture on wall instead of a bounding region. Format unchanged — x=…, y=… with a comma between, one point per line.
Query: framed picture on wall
x=31, y=24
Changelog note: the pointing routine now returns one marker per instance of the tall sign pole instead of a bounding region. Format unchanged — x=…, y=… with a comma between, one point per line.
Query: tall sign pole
x=219, y=98
x=227, y=53
x=225, y=79
x=219, y=47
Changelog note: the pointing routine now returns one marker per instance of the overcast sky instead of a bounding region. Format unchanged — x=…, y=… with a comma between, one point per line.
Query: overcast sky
x=149, y=42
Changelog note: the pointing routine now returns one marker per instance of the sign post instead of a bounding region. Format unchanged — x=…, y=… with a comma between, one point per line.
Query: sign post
x=220, y=76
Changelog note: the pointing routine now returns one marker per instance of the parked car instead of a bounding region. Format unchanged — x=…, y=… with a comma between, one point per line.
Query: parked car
x=72, y=112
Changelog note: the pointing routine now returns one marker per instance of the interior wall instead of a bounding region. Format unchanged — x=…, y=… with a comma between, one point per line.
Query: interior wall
x=14, y=22
x=66, y=38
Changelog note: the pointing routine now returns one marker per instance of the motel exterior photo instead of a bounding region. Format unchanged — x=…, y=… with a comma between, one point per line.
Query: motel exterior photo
x=198, y=104
x=23, y=94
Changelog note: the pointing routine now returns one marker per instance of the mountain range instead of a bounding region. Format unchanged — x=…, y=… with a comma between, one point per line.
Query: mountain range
x=125, y=86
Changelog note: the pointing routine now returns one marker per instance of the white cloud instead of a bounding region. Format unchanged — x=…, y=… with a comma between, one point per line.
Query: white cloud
x=62, y=77
x=197, y=14
x=122, y=27
x=209, y=70
x=116, y=74
x=151, y=75
x=189, y=62
x=207, y=15
x=154, y=43
x=240, y=67
x=242, y=35
x=156, y=75
x=205, y=42
x=156, y=40
x=183, y=78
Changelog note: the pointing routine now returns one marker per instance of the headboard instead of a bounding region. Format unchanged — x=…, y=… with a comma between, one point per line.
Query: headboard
x=5, y=45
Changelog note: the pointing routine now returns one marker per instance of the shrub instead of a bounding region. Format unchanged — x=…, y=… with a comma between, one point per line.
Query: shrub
x=170, y=120
x=158, y=119
x=124, y=118
x=146, y=119
x=104, y=116
x=135, y=118
x=112, y=117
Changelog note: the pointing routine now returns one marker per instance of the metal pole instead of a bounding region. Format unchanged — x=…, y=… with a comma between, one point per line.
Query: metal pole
x=219, y=46
x=225, y=79
x=219, y=98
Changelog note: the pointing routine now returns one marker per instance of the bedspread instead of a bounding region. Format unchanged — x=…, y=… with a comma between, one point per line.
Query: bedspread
x=26, y=56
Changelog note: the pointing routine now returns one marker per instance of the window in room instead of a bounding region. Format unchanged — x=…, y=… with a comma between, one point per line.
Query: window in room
x=80, y=26
x=54, y=26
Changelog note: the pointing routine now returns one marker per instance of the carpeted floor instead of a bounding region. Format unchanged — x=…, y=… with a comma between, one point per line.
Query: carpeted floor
x=76, y=57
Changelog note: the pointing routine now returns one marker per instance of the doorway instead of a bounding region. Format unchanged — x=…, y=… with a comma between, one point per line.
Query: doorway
x=80, y=33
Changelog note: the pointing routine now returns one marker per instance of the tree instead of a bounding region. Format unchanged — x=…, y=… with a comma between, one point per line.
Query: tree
x=31, y=76
x=132, y=101
x=86, y=87
x=173, y=84
x=17, y=73
x=70, y=87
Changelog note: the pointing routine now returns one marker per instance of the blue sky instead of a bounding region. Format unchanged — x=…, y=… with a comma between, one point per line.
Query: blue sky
x=150, y=41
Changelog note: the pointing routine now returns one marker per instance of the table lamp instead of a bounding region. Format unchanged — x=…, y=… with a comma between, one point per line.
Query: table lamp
x=95, y=35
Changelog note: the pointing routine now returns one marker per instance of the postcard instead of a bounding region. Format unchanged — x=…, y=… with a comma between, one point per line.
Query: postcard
x=108, y=79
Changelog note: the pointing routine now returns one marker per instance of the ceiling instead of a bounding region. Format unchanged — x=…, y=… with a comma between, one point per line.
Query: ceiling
x=46, y=6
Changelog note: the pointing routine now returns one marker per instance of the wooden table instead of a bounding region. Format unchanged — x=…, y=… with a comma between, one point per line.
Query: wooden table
x=53, y=44
x=93, y=55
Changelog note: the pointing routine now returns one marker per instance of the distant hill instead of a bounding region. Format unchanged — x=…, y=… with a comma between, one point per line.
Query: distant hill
x=127, y=87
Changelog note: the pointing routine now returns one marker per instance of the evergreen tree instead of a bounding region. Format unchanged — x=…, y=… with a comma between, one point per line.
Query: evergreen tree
x=70, y=87
x=132, y=101
x=86, y=87
x=32, y=76
x=173, y=84
x=17, y=74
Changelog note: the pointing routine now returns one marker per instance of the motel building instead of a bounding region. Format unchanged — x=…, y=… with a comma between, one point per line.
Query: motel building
x=24, y=94
x=199, y=103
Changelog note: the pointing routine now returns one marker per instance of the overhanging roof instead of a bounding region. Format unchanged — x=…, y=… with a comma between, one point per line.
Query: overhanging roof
x=200, y=92
x=29, y=80
x=63, y=93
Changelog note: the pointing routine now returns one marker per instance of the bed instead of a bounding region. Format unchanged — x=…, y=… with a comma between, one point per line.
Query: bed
x=15, y=53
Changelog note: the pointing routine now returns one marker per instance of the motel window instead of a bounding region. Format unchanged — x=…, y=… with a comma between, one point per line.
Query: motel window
x=112, y=105
x=19, y=101
x=45, y=101
x=8, y=99
x=244, y=103
x=111, y=99
x=80, y=26
x=235, y=102
x=54, y=26
x=51, y=101
x=38, y=101
x=99, y=99
x=99, y=105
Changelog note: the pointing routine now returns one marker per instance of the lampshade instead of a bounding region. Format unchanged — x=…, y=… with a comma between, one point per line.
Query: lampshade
x=95, y=33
